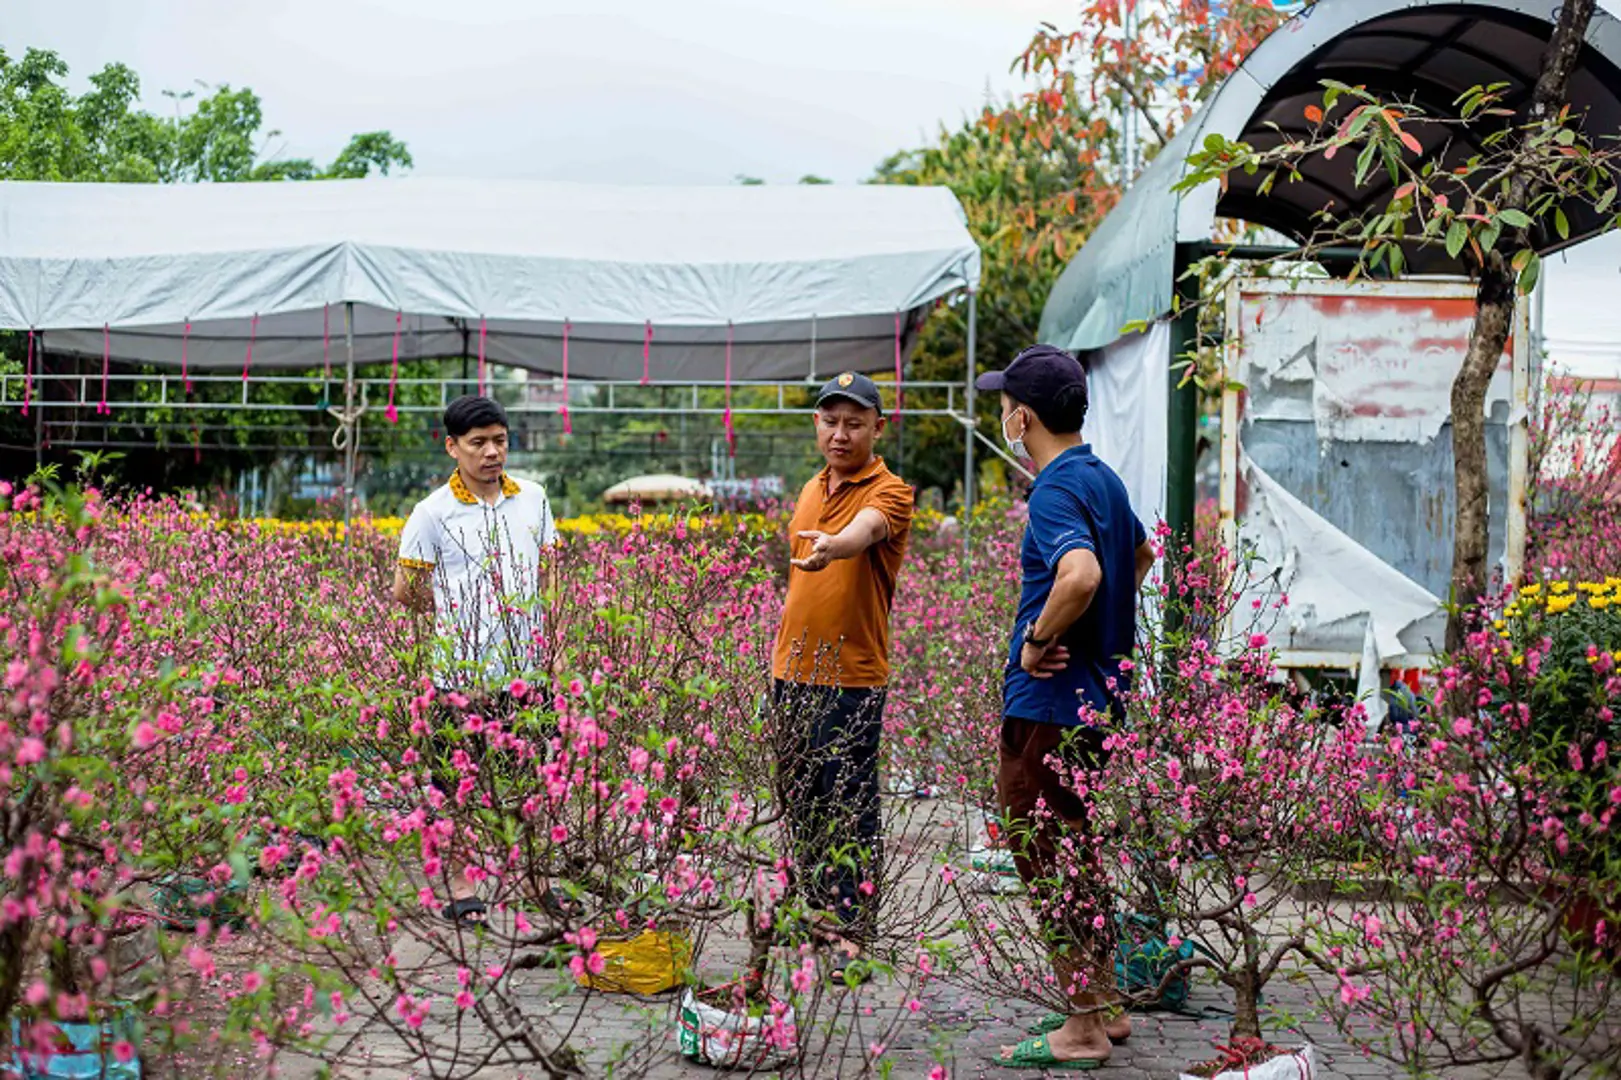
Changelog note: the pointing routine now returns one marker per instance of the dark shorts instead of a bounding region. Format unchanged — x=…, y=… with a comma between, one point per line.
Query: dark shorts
x=1050, y=829
x=449, y=735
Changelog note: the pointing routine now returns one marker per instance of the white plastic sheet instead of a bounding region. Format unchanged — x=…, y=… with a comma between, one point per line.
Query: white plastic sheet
x=1370, y=689
x=1340, y=474
x=1126, y=418
x=1337, y=591
x=1299, y=1065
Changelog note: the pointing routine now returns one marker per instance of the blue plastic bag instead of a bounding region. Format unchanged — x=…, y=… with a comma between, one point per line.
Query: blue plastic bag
x=86, y=1051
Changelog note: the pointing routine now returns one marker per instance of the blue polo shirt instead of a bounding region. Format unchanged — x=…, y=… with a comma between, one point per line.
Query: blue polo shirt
x=1077, y=502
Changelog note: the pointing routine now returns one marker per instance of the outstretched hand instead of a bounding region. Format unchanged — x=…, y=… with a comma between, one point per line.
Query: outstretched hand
x=821, y=552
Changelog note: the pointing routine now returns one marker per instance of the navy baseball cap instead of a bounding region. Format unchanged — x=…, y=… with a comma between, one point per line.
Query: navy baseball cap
x=1036, y=375
x=857, y=388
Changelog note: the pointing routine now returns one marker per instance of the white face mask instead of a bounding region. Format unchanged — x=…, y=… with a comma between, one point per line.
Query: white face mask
x=1015, y=446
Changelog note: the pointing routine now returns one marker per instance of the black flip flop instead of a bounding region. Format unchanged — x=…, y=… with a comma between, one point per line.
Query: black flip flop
x=846, y=970
x=560, y=905
x=462, y=912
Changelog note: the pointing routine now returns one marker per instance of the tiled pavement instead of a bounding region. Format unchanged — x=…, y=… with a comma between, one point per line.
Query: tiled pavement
x=953, y=1029
x=952, y=1032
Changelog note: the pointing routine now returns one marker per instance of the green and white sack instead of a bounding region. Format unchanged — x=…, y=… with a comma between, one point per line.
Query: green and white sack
x=1298, y=1065
x=728, y=1039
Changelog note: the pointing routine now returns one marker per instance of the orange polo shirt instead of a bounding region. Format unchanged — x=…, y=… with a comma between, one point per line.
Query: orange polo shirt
x=835, y=624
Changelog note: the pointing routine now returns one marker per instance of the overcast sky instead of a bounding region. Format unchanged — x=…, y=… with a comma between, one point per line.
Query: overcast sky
x=635, y=91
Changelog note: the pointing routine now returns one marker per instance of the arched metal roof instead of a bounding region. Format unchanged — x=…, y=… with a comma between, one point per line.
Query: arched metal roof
x=1428, y=51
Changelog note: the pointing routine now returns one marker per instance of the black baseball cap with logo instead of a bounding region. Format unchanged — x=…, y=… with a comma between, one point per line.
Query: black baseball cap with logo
x=1036, y=375
x=857, y=388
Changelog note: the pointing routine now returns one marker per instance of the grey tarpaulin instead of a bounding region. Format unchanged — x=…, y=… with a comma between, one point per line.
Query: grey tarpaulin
x=771, y=268
x=1428, y=50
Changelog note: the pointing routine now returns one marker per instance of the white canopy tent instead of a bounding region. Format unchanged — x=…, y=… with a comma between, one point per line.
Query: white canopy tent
x=672, y=284
x=450, y=261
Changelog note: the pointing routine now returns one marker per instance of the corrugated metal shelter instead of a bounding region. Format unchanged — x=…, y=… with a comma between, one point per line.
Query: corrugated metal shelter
x=1429, y=51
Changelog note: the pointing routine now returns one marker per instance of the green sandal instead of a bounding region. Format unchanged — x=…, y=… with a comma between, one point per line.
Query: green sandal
x=1049, y=1023
x=1034, y=1053
x=1053, y=1021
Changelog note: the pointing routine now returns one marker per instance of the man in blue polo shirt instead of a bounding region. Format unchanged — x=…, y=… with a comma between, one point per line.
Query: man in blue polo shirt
x=1084, y=557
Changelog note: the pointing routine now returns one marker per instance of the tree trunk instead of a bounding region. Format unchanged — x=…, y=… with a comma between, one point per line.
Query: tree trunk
x=1493, y=320
x=757, y=970
x=1537, y=1064
x=1494, y=316
x=13, y=958
x=1246, y=1006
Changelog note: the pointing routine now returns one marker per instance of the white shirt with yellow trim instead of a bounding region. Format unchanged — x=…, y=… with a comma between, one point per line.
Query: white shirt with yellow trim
x=488, y=579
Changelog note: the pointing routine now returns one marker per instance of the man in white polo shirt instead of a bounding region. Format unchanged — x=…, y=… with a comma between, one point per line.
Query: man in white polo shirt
x=472, y=553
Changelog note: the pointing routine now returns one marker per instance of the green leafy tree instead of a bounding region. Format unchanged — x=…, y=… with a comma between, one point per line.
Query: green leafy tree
x=1024, y=197
x=371, y=150
x=46, y=133
x=1037, y=172
x=1141, y=69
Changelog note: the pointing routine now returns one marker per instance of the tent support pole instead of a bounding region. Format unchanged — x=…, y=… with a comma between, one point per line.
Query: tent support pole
x=1182, y=427
x=1183, y=420
x=467, y=385
x=351, y=421
x=39, y=413
x=972, y=425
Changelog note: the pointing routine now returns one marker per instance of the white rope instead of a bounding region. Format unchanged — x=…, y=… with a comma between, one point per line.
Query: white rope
x=347, y=418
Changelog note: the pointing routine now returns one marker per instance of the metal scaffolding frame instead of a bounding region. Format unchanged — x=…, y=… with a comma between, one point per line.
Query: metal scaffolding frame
x=171, y=394
x=176, y=391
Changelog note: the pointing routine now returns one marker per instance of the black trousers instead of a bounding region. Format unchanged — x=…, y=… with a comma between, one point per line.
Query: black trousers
x=827, y=773
x=447, y=736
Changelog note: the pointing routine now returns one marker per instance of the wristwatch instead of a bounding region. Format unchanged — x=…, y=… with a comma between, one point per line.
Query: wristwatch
x=1030, y=636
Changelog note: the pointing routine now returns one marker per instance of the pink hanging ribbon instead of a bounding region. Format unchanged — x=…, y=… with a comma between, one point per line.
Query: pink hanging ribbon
x=28, y=375
x=899, y=393
x=185, y=371
x=106, y=361
x=483, y=329
x=726, y=419
x=253, y=335
x=647, y=353
x=392, y=413
x=326, y=344
x=568, y=424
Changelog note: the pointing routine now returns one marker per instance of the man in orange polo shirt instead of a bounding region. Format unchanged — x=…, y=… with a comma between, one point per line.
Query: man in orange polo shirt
x=831, y=663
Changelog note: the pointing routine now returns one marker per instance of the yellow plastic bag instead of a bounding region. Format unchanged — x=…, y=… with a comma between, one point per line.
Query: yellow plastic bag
x=649, y=963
